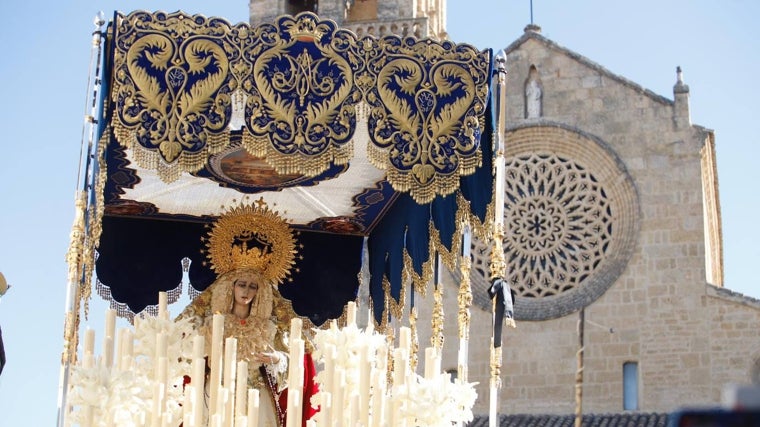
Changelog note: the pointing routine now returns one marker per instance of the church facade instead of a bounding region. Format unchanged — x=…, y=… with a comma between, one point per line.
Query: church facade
x=612, y=209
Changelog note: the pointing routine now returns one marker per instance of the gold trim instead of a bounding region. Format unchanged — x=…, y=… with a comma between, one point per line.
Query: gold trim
x=464, y=298
x=415, y=350
x=496, y=366
x=437, y=335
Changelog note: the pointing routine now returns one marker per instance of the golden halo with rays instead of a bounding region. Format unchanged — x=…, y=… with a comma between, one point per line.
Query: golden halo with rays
x=252, y=236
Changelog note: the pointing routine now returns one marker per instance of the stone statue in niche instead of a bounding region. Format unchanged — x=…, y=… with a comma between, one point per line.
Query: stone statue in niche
x=533, y=94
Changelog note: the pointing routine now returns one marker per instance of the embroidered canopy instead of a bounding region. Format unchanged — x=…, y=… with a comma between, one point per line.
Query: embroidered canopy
x=383, y=140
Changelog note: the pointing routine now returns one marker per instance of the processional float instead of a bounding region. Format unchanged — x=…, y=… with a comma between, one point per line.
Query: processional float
x=384, y=155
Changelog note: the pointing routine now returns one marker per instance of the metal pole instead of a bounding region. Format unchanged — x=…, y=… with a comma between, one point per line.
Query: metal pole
x=579, y=371
x=74, y=256
x=497, y=263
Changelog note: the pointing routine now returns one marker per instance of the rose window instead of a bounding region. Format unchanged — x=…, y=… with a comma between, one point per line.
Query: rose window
x=570, y=222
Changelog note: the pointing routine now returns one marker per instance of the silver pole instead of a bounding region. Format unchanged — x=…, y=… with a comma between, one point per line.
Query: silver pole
x=78, y=237
x=498, y=266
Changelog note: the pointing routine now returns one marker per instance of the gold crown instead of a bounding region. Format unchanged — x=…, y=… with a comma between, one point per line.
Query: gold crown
x=252, y=237
x=306, y=25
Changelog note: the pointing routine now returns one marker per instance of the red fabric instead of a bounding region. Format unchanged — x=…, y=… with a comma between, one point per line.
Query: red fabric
x=310, y=388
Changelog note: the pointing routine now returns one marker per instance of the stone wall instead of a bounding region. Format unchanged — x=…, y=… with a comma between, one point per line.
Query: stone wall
x=689, y=338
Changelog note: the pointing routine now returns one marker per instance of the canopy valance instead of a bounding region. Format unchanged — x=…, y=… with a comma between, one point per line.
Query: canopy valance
x=379, y=141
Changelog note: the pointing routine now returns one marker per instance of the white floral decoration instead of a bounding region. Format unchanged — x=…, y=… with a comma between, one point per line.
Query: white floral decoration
x=434, y=402
x=103, y=395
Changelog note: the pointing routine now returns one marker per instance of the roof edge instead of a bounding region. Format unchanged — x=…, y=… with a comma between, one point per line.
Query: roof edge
x=528, y=35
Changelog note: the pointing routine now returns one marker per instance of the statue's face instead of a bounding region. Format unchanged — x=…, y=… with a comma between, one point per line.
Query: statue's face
x=245, y=290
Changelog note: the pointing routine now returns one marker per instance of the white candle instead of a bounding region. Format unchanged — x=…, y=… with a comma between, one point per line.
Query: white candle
x=353, y=410
x=107, y=358
x=337, y=398
x=430, y=362
x=129, y=346
x=329, y=383
x=399, y=366
x=325, y=409
x=119, y=348
x=89, y=341
x=188, y=406
x=215, y=380
x=295, y=375
x=230, y=361
x=378, y=398
x=163, y=312
x=241, y=421
x=108, y=336
x=199, y=341
x=365, y=368
x=296, y=324
x=223, y=395
x=241, y=388
x=253, y=407
x=351, y=314
x=198, y=378
x=405, y=338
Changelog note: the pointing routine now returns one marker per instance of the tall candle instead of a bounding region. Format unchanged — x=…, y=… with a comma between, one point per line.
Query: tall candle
x=328, y=385
x=295, y=375
x=253, y=408
x=378, y=398
x=405, y=338
x=430, y=362
x=108, y=336
x=351, y=314
x=163, y=312
x=215, y=380
x=199, y=341
x=325, y=408
x=296, y=324
x=188, y=406
x=337, y=397
x=119, y=348
x=160, y=351
x=230, y=361
x=241, y=421
x=128, y=353
x=89, y=341
x=365, y=368
x=241, y=387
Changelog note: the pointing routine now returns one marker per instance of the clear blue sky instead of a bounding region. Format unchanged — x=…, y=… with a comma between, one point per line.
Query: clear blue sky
x=44, y=69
